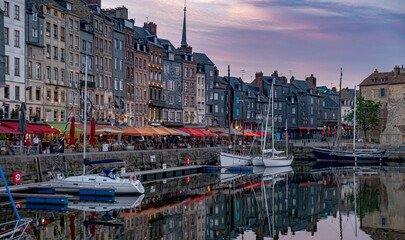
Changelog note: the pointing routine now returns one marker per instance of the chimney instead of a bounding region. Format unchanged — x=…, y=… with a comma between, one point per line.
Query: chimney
x=334, y=89
x=375, y=70
x=282, y=79
x=93, y=2
x=259, y=81
x=292, y=79
x=152, y=27
x=311, y=80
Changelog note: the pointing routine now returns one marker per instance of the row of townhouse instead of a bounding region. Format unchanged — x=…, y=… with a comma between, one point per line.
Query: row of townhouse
x=134, y=77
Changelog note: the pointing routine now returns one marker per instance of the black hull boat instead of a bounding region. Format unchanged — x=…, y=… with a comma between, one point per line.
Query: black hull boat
x=365, y=156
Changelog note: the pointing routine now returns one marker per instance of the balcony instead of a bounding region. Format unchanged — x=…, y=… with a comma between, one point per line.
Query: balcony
x=89, y=84
x=157, y=103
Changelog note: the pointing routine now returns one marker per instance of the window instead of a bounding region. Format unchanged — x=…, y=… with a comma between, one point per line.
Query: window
x=237, y=100
x=237, y=112
x=6, y=9
x=29, y=69
x=17, y=12
x=6, y=92
x=293, y=110
x=16, y=66
x=76, y=24
x=17, y=93
x=6, y=36
x=55, y=52
x=38, y=94
x=48, y=73
x=70, y=23
x=382, y=92
x=38, y=71
x=55, y=31
x=16, y=38
x=55, y=74
x=62, y=54
x=62, y=97
x=62, y=75
x=48, y=28
x=55, y=115
x=62, y=33
x=6, y=59
x=34, y=32
x=84, y=45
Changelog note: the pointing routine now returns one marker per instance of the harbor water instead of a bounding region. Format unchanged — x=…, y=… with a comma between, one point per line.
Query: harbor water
x=281, y=203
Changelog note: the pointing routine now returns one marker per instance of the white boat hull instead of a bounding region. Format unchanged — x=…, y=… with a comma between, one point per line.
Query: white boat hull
x=228, y=160
x=257, y=161
x=127, y=202
x=119, y=185
x=277, y=161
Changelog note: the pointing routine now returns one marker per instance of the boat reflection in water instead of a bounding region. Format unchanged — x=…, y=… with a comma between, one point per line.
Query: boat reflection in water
x=279, y=205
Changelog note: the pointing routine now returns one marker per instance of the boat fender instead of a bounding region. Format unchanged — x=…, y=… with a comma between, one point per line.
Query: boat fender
x=132, y=177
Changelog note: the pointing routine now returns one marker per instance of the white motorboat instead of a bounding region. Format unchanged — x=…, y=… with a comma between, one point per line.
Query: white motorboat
x=124, y=202
x=229, y=159
x=109, y=178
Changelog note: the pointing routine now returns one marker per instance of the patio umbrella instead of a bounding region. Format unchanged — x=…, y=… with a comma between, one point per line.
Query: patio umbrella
x=72, y=131
x=93, y=132
x=22, y=123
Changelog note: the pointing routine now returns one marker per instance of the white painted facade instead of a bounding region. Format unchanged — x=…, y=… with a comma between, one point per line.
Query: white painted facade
x=14, y=27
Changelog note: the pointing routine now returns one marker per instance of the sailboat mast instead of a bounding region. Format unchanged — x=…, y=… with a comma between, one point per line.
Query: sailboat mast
x=85, y=118
x=267, y=122
x=354, y=119
x=272, y=117
x=340, y=110
x=286, y=138
x=229, y=105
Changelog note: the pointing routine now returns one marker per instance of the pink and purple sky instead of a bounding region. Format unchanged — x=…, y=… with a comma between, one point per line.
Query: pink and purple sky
x=295, y=37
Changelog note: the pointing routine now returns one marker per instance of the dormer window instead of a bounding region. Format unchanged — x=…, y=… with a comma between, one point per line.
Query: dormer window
x=372, y=80
x=382, y=80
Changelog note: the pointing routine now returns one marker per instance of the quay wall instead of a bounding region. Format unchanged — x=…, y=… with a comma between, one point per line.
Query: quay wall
x=36, y=168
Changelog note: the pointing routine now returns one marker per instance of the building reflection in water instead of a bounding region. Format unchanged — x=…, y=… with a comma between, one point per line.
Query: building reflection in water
x=193, y=210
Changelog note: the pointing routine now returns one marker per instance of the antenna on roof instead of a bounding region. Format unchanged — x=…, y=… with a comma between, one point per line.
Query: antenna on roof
x=291, y=72
x=242, y=73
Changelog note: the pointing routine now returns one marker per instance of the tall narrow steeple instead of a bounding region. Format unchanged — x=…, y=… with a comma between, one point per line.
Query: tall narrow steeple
x=184, y=38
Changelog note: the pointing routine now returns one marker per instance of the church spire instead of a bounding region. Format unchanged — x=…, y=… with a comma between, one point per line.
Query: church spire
x=184, y=38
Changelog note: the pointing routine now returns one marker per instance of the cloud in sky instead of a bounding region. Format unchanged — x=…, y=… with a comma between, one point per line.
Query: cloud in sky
x=298, y=36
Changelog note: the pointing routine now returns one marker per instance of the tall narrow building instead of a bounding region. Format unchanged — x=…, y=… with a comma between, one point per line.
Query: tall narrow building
x=13, y=92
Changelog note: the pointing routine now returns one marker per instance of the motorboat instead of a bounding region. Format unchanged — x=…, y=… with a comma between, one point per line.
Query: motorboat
x=108, y=178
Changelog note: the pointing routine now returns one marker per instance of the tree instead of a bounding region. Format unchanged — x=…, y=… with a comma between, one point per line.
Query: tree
x=366, y=114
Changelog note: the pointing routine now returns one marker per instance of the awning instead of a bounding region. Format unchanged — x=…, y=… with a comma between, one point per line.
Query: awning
x=192, y=132
x=100, y=129
x=61, y=128
x=181, y=132
x=169, y=131
x=206, y=133
x=131, y=131
x=7, y=130
x=33, y=128
x=147, y=131
x=306, y=128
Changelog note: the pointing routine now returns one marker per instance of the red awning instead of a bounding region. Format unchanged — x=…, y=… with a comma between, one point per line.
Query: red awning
x=31, y=128
x=192, y=132
x=7, y=130
x=206, y=133
x=306, y=128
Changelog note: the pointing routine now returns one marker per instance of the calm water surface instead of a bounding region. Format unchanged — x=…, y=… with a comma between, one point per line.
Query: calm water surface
x=278, y=203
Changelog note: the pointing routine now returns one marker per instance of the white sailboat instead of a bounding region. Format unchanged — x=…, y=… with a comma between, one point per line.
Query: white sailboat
x=232, y=159
x=108, y=178
x=275, y=159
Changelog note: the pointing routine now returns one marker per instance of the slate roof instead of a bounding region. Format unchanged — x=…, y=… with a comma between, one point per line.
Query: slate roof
x=329, y=103
x=202, y=58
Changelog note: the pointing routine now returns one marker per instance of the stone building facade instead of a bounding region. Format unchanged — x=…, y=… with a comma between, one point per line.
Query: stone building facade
x=13, y=92
x=34, y=40
x=172, y=85
x=387, y=88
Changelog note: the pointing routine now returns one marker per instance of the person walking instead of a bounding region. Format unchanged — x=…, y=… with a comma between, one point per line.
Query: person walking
x=36, y=144
x=28, y=145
